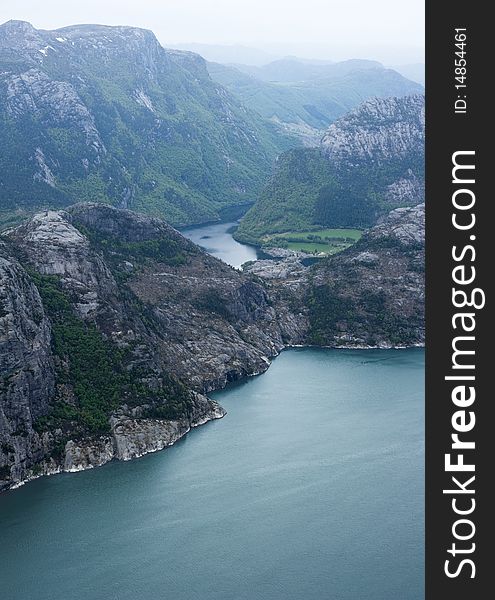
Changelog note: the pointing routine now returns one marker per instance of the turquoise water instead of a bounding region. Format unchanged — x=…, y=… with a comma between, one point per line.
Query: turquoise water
x=217, y=240
x=311, y=488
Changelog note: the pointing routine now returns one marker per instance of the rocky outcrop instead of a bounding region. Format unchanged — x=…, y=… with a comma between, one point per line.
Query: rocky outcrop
x=180, y=322
x=161, y=323
x=378, y=131
x=370, y=295
x=368, y=162
x=133, y=436
x=373, y=293
x=96, y=112
x=288, y=266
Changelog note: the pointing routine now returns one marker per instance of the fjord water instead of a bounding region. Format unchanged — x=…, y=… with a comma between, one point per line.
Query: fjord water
x=217, y=240
x=311, y=488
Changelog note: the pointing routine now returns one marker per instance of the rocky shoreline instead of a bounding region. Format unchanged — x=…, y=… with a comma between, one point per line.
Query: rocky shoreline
x=168, y=324
x=135, y=438
x=129, y=439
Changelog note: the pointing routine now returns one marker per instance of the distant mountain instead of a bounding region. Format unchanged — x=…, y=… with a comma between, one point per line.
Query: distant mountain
x=368, y=162
x=229, y=53
x=292, y=69
x=414, y=72
x=304, y=97
x=106, y=114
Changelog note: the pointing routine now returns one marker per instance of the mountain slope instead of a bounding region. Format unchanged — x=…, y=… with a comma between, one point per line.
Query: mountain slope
x=113, y=327
x=303, y=97
x=105, y=113
x=368, y=162
x=373, y=292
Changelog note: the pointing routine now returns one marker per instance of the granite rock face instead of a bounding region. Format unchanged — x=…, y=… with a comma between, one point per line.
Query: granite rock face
x=27, y=372
x=164, y=304
x=108, y=114
x=384, y=138
x=373, y=293
x=379, y=130
x=179, y=324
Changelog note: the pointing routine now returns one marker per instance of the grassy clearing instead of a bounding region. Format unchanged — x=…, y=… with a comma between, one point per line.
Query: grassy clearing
x=326, y=241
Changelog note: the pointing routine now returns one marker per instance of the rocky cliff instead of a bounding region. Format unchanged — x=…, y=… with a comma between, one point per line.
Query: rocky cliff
x=379, y=131
x=368, y=162
x=107, y=114
x=370, y=295
x=113, y=327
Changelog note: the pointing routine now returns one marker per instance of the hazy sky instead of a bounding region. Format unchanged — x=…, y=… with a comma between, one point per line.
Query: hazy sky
x=388, y=30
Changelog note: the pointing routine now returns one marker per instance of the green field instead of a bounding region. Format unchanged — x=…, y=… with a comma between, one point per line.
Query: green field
x=326, y=241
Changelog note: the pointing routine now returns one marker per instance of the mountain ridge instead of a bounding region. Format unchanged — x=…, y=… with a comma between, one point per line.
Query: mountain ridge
x=106, y=113
x=368, y=162
x=114, y=328
x=304, y=97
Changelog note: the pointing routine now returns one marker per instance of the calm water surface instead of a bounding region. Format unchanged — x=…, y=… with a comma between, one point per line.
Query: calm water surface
x=217, y=240
x=311, y=488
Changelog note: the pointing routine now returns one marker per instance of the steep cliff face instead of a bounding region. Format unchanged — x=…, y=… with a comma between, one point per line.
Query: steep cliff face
x=373, y=293
x=369, y=162
x=27, y=370
x=107, y=114
x=116, y=326
x=370, y=295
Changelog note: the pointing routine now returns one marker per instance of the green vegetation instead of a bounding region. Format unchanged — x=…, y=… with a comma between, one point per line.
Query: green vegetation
x=312, y=189
x=12, y=218
x=315, y=241
x=116, y=249
x=313, y=95
x=331, y=312
x=307, y=192
x=346, y=203
x=196, y=151
x=287, y=202
x=212, y=301
x=94, y=369
x=326, y=309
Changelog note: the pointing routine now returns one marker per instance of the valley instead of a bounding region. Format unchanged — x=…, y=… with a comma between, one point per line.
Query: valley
x=217, y=251
x=315, y=241
x=302, y=98
x=106, y=114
